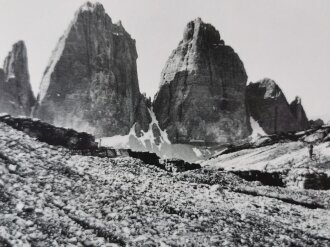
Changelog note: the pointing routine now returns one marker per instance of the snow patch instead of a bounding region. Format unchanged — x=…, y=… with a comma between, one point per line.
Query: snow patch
x=257, y=131
x=117, y=141
x=147, y=143
x=197, y=152
x=11, y=76
x=149, y=135
x=146, y=138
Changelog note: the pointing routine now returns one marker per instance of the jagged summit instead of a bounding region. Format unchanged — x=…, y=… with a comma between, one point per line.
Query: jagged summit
x=298, y=111
x=91, y=6
x=272, y=90
x=266, y=82
x=18, y=51
x=267, y=104
x=205, y=32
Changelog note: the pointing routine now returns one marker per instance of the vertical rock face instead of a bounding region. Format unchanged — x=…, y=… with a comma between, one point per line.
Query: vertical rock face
x=91, y=82
x=267, y=105
x=202, y=90
x=299, y=113
x=16, y=96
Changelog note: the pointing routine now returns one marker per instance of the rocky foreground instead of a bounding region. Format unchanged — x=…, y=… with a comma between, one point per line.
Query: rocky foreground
x=49, y=197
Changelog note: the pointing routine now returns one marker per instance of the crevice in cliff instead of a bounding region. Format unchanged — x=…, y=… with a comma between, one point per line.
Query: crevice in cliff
x=184, y=89
x=169, y=102
x=86, y=28
x=210, y=70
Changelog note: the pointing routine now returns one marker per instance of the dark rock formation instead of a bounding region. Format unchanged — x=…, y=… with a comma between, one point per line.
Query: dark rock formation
x=170, y=165
x=315, y=124
x=202, y=90
x=50, y=134
x=266, y=178
x=303, y=178
x=91, y=82
x=299, y=113
x=178, y=165
x=267, y=105
x=16, y=96
x=142, y=116
x=308, y=179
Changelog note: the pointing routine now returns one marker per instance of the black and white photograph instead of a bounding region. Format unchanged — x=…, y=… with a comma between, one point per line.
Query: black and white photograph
x=164, y=123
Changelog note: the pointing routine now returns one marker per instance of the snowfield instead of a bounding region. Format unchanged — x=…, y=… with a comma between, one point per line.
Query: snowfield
x=49, y=197
x=161, y=145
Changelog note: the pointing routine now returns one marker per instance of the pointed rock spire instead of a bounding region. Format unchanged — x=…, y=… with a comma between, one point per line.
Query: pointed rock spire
x=16, y=97
x=91, y=82
x=299, y=113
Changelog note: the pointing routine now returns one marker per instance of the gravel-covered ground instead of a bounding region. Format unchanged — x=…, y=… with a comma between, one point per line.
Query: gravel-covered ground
x=276, y=157
x=50, y=198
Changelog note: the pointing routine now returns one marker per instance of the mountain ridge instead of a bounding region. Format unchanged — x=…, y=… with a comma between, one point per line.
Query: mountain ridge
x=91, y=84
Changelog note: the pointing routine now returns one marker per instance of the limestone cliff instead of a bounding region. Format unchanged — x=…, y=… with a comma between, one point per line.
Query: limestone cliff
x=202, y=90
x=91, y=82
x=268, y=106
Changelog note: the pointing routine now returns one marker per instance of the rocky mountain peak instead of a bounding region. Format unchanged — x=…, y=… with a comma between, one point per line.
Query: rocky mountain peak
x=16, y=94
x=299, y=113
x=268, y=106
x=202, y=89
x=16, y=61
x=91, y=81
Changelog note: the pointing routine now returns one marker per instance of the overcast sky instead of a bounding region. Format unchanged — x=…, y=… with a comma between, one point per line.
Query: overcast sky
x=286, y=40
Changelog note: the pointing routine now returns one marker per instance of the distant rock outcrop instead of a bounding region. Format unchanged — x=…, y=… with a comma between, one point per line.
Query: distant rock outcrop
x=16, y=96
x=317, y=123
x=299, y=113
x=268, y=106
x=202, y=90
x=91, y=82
